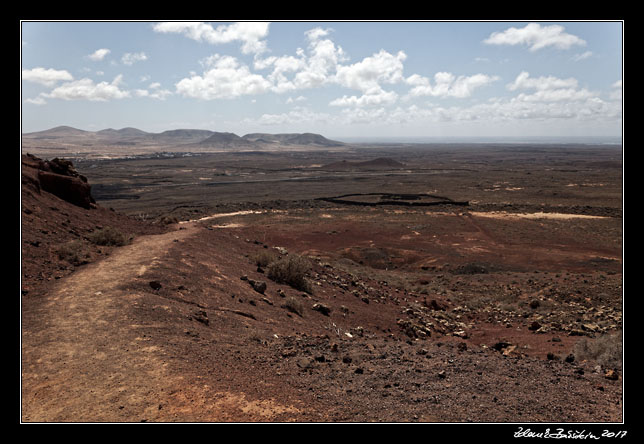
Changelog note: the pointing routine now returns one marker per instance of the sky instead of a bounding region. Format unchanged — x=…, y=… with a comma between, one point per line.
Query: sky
x=342, y=79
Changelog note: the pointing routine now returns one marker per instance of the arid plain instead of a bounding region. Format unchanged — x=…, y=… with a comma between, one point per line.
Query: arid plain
x=435, y=282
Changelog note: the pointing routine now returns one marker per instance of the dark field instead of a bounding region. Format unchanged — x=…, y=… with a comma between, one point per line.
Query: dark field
x=579, y=179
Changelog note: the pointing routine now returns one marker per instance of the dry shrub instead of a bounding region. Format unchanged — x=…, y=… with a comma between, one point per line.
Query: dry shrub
x=108, y=236
x=294, y=305
x=292, y=271
x=168, y=220
x=264, y=258
x=74, y=252
x=605, y=350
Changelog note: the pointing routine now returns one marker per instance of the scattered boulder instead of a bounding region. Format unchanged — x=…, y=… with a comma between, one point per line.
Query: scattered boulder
x=509, y=350
x=534, y=326
x=435, y=305
x=612, y=375
x=304, y=362
x=321, y=308
x=472, y=268
x=501, y=345
x=413, y=329
x=258, y=286
x=156, y=285
x=200, y=316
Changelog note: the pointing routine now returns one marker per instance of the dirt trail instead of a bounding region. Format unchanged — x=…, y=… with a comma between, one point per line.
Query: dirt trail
x=82, y=359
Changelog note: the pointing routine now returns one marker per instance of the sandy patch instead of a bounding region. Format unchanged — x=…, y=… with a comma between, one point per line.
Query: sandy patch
x=231, y=225
x=539, y=215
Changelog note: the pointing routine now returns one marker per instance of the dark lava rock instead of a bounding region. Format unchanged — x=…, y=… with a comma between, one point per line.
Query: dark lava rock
x=201, y=316
x=471, y=269
x=258, y=286
x=156, y=285
x=59, y=178
x=321, y=308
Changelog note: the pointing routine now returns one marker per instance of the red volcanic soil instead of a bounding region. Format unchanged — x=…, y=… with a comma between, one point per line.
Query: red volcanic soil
x=412, y=316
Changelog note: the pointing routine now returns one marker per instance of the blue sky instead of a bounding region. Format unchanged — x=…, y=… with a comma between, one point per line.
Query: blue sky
x=340, y=79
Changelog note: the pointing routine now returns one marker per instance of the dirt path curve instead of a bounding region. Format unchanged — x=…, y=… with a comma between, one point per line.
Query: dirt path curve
x=82, y=359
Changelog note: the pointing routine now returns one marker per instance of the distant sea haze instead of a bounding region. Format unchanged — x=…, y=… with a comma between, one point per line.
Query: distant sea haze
x=584, y=140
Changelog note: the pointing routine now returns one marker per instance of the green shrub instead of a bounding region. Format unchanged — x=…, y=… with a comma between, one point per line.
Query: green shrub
x=292, y=271
x=108, y=236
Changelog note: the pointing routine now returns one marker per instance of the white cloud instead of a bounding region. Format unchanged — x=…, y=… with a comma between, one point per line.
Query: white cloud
x=582, y=56
x=372, y=97
x=499, y=111
x=298, y=116
x=281, y=66
x=557, y=95
x=371, y=71
x=86, y=89
x=159, y=94
x=535, y=37
x=131, y=58
x=321, y=63
x=296, y=99
x=99, y=54
x=226, y=79
x=447, y=85
x=48, y=77
x=316, y=33
x=37, y=101
x=616, y=93
x=250, y=34
x=549, y=89
x=524, y=81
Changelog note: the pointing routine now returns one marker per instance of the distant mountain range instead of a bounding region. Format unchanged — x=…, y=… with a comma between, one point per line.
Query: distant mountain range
x=184, y=137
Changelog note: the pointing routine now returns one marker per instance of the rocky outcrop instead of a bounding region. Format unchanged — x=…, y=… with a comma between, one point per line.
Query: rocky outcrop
x=57, y=177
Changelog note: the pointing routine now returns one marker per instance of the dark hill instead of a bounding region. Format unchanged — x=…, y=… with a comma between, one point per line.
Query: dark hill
x=292, y=139
x=128, y=132
x=185, y=134
x=227, y=140
x=58, y=132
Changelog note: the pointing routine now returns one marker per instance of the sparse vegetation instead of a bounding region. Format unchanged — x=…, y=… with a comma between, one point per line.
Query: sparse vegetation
x=294, y=305
x=605, y=350
x=264, y=258
x=108, y=236
x=168, y=220
x=75, y=252
x=291, y=270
